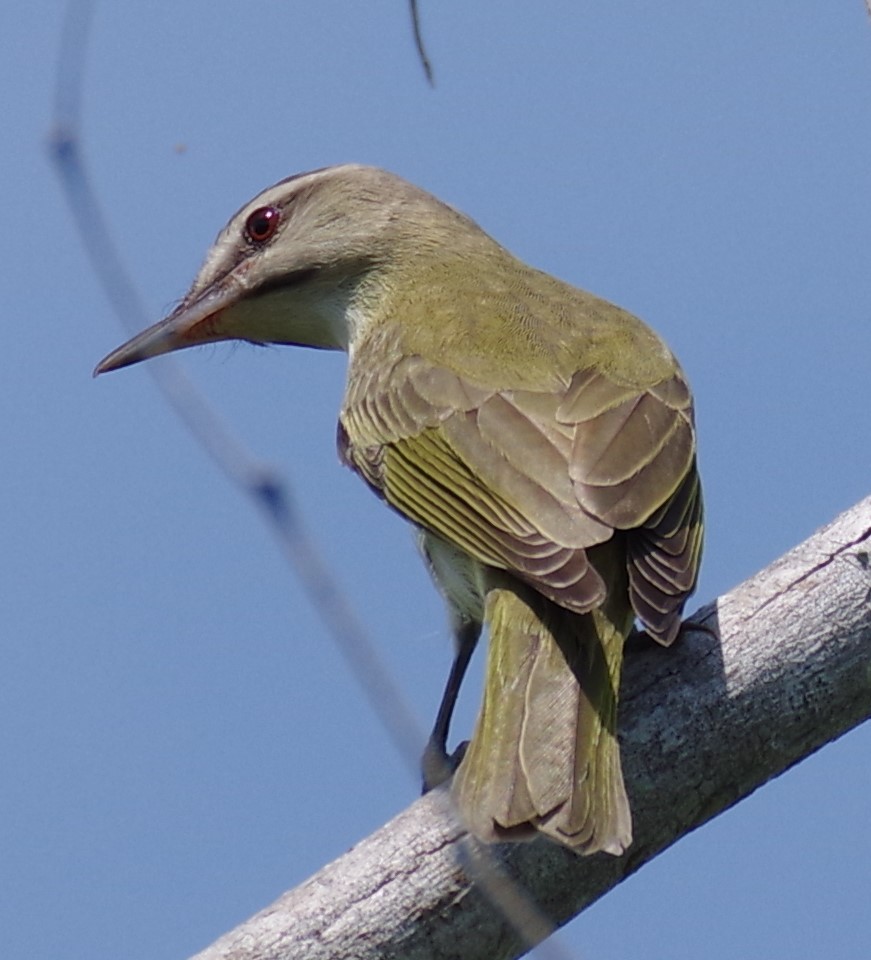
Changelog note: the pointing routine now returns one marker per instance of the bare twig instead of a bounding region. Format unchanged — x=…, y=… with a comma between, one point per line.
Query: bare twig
x=418, y=42
x=260, y=482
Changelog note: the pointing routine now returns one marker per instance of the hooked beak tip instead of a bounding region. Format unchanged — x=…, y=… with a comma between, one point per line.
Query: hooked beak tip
x=102, y=367
x=115, y=360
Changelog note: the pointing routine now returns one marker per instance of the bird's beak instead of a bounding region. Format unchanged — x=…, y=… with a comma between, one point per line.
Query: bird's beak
x=192, y=323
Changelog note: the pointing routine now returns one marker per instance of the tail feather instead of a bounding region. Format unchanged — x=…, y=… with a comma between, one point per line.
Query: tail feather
x=544, y=756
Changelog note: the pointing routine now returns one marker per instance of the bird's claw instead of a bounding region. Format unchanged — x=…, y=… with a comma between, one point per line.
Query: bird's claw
x=438, y=766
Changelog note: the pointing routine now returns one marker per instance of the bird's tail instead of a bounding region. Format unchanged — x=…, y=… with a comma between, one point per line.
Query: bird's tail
x=544, y=756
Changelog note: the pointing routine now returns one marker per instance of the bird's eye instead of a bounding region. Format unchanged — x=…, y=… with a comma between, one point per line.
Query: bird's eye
x=262, y=224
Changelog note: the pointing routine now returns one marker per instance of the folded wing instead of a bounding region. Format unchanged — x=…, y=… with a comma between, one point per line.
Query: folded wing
x=526, y=481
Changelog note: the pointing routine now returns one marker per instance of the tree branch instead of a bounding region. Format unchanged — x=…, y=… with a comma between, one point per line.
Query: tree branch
x=702, y=725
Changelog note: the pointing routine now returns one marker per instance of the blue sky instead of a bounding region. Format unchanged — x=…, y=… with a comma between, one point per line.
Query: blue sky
x=179, y=739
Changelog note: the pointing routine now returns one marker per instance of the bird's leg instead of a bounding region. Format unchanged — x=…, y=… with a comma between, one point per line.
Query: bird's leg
x=459, y=580
x=437, y=765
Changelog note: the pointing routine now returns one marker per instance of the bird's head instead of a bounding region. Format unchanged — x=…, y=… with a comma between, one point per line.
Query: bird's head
x=298, y=264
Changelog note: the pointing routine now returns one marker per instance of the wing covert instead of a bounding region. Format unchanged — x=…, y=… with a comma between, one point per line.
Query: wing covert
x=526, y=481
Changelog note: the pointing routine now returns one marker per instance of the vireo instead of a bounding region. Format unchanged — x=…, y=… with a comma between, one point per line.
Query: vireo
x=540, y=439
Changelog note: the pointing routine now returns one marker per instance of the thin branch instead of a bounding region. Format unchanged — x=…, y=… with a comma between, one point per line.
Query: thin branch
x=702, y=725
x=256, y=480
x=418, y=42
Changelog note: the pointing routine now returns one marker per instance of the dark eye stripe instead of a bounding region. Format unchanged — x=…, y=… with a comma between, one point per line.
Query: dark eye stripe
x=292, y=279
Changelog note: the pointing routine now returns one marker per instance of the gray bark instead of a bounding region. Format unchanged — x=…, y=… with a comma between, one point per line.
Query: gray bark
x=702, y=725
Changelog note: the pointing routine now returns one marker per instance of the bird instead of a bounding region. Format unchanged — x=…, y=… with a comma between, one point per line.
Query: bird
x=540, y=439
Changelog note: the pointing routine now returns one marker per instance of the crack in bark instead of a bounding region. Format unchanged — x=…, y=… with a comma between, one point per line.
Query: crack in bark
x=865, y=535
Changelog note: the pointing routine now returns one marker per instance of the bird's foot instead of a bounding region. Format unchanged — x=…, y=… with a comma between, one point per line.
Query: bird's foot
x=639, y=639
x=437, y=766
x=687, y=626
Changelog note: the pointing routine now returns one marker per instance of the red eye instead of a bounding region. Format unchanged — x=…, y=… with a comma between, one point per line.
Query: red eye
x=262, y=224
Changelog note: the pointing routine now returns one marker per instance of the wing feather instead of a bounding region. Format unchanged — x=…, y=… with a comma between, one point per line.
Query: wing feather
x=663, y=559
x=526, y=481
